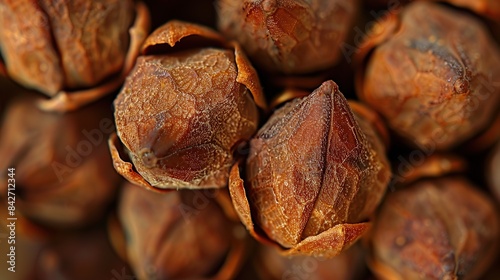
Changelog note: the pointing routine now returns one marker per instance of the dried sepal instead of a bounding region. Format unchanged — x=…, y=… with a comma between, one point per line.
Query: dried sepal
x=421, y=71
x=175, y=32
x=177, y=35
x=327, y=244
x=125, y=168
x=287, y=95
x=442, y=228
x=180, y=115
x=330, y=172
x=248, y=76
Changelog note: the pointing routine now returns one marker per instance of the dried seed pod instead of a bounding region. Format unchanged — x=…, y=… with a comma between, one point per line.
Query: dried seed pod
x=435, y=229
x=293, y=36
x=70, y=45
x=492, y=171
x=271, y=265
x=315, y=174
x=184, y=109
x=193, y=238
x=63, y=172
x=427, y=77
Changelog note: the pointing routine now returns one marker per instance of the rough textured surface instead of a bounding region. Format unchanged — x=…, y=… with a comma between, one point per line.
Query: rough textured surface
x=431, y=79
x=435, y=229
x=313, y=175
x=64, y=44
x=311, y=167
x=189, y=240
x=91, y=37
x=181, y=116
x=25, y=43
x=291, y=36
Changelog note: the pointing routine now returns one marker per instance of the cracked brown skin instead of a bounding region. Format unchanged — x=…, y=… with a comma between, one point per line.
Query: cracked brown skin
x=434, y=78
x=180, y=116
x=314, y=175
x=291, y=36
x=434, y=229
x=64, y=44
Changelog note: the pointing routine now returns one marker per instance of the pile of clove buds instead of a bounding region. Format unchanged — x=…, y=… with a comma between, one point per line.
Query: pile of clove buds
x=249, y=139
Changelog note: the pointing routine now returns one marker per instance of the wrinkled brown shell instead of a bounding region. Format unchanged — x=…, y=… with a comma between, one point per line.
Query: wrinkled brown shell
x=426, y=75
x=493, y=171
x=359, y=109
x=191, y=239
x=292, y=36
x=68, y=46
x=435, y=229
x=180, y=115
x=273, y=266
x=61, y=161
x=315, y=174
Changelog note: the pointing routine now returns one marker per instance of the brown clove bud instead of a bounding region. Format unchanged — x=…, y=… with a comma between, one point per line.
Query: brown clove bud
x=70, y=45
x=434, y=229
x=184, y=109
x=180, y=234
x=424, y=72
x=314, y=176
x=293, y=36
x=63, y=173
